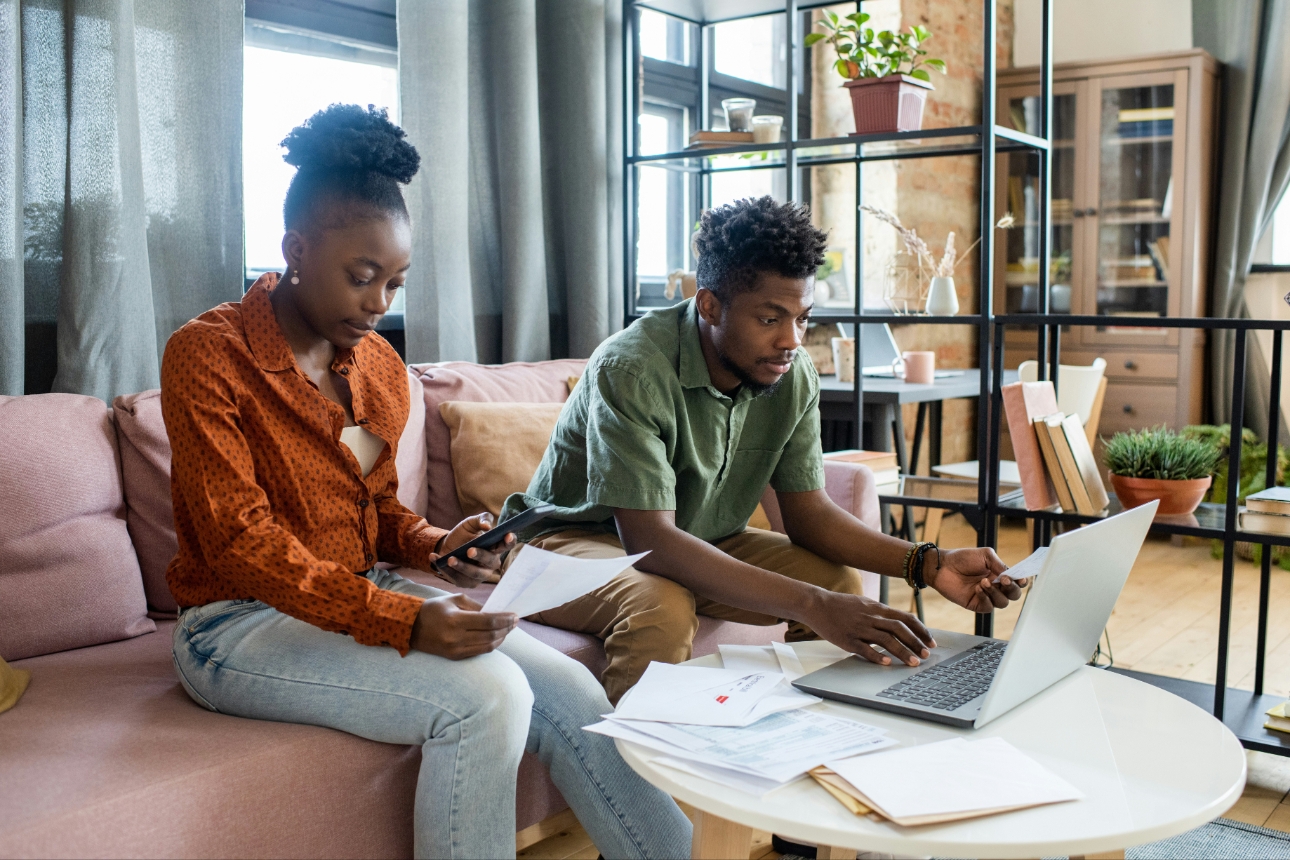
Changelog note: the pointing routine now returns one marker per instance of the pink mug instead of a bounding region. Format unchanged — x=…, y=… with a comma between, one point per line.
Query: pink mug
x=919, y=367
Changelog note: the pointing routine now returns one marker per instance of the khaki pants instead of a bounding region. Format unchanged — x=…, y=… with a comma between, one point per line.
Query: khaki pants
x=643, y=617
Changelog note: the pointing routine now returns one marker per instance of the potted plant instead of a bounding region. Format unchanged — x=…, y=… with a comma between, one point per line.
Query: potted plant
x=886, y=72
x=1160, y=464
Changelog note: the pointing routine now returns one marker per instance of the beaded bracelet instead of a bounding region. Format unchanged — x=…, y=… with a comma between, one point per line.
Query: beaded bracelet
x=914, y=563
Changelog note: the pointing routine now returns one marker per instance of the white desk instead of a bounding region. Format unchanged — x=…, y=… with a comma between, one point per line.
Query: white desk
x=1150, y=764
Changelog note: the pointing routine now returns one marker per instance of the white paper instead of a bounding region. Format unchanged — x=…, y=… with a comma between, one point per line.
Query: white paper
x=788, y=662
x=780, y=747
x=755, y=785
x=750, y=658
x=539, y=580
x=1028, y=566
x=708, y=697
x=953, y=776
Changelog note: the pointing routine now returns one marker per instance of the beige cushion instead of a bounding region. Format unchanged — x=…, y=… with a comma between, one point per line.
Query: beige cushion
x=496, y=448
x=13, y=682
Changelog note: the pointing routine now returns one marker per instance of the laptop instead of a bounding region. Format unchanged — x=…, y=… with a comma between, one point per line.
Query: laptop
x=878, y=350
x=970, y=680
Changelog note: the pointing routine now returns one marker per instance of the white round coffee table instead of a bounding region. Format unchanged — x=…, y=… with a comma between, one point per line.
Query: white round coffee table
x=1150, y=764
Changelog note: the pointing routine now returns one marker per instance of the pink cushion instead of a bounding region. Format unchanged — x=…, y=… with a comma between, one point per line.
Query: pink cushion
x=69, y=576
x=410, y=460
x=145, y=465
x=521, y=382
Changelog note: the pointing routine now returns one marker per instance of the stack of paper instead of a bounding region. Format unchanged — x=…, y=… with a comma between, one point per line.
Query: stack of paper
x=945, y=781
x=741, y=726
x=539, y=580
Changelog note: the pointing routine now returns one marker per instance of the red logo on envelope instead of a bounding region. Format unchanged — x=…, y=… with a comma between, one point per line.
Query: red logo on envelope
x=721, y=700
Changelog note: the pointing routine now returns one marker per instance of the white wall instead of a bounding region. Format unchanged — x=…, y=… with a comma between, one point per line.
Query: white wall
x=1102, y=29
x=1263, y=295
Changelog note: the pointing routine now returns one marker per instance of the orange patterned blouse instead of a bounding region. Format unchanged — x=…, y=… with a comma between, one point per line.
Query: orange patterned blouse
x=269, y=505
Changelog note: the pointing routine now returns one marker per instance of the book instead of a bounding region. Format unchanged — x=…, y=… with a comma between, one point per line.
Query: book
x=875, y=460
x=720, y=138
x=883, y=477
x=1278, y=720
x=1087, y=463
x=1274, y=500
x=1069, y=466
x=1160, y=257
x=1146, y=114
x=1256, y=521
x=1023, y=402
x=1054, y=466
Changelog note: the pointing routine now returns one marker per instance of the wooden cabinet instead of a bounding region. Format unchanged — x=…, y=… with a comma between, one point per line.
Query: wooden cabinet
x=1133, y=161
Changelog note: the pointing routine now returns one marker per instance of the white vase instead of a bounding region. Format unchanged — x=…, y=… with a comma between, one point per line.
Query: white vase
x=942, y=301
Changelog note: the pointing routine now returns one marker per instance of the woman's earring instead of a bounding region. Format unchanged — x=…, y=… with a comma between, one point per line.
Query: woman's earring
x=295, y=277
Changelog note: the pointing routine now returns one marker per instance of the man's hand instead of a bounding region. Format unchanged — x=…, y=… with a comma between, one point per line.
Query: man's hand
x=857, y=623
x=972, y=578
x=452, y=626
x=483, y=563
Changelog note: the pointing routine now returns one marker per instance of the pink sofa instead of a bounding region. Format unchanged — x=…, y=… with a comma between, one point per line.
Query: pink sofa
x=105, y=756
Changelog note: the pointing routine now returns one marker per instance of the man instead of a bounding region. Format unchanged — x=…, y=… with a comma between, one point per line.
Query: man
x=671, y=436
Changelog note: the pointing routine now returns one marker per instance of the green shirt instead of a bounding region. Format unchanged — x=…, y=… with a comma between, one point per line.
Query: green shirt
x=644, y=429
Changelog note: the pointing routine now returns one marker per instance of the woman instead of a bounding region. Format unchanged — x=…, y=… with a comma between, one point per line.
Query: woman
x=284, y=411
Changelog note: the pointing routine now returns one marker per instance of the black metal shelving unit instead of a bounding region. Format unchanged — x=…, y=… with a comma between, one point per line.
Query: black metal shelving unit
x=1241, y=710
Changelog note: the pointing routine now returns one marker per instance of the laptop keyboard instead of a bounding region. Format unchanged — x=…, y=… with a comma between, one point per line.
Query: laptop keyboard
x=948, y=686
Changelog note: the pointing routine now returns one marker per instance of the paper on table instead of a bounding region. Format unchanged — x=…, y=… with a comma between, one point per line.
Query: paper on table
x=953, y=778
x=757, y=786
x=539, y=580
x=780, y=747
x=788, y=662
x=708, y=697
x=749, y=658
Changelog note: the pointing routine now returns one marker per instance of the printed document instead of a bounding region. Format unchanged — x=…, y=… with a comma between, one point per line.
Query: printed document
x=708, y=697
x=776, y=657
x=539, y=580
x=952, y=779
x=779, y=748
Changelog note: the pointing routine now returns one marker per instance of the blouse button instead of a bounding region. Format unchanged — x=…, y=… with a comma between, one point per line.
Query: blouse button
x=344, y=371
x=362, y=503
x=362, y=421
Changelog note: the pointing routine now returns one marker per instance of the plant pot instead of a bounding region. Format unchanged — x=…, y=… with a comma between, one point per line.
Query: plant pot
x=1176, y=497
x=893, y=103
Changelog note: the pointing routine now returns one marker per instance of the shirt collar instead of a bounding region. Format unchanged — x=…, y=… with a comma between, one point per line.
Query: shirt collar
x=693, y=369
x=268, y=343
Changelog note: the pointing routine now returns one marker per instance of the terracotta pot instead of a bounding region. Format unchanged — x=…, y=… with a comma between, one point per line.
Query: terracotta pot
x=893, y=103
x=1176, y=497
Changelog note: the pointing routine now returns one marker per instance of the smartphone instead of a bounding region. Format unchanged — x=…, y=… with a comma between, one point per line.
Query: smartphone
x=498, y=533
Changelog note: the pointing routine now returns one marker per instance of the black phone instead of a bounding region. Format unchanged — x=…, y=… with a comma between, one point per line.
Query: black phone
x=498, y=533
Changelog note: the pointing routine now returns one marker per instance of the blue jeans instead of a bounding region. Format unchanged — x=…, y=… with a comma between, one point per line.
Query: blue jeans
x=472, y=718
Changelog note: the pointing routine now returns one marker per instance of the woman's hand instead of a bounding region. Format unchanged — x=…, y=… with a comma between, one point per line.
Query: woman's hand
x=482, y=563
x=973, y=578
x=452, y=626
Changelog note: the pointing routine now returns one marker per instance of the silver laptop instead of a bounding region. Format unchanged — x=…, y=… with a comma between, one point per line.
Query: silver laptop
x=878, y=350
x=970, y=680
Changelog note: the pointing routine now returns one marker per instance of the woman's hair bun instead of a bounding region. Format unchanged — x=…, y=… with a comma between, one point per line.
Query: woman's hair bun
x=349, y=138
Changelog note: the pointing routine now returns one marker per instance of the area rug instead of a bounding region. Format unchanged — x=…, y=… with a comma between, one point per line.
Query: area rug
x=1221, y=839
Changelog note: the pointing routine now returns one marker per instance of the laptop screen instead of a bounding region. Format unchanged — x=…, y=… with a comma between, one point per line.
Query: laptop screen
x=877, y=346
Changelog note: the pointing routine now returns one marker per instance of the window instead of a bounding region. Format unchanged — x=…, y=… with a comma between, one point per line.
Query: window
x=746, y=58
x=288, y=76
x=1274, y=248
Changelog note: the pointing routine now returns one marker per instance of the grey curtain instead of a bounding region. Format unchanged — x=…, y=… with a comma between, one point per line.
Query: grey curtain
x=120, y=185
x=1252, y=39
x=515, y=106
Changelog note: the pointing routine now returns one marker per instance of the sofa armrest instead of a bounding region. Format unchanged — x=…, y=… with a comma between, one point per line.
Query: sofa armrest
x=852, y=488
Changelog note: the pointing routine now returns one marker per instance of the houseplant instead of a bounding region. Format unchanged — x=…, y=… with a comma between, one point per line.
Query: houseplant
x=886, y=72
x=1160, y=464
x=1253, y=479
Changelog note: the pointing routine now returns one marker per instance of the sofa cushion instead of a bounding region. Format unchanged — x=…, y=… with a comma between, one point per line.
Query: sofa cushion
x=69, y=576
x=145, y=467
x=496, y=448
x=538, y=382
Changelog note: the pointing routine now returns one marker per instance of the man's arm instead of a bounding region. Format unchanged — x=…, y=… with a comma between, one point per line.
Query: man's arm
x=966, y=576
x=849, y=621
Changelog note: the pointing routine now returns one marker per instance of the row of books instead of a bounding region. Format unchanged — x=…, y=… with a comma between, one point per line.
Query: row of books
x=883, y=464
x=1054, y=458
x=1146, y=122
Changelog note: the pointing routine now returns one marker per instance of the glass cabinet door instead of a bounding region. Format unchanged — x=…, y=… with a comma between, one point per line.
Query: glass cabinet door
x=1019, y=196
x=1135, y=202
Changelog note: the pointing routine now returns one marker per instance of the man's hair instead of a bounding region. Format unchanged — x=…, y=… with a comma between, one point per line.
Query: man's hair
x=350, y=156
x=737, y=241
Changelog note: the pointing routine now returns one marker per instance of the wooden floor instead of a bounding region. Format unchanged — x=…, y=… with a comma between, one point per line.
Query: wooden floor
x=1166, y=622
